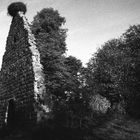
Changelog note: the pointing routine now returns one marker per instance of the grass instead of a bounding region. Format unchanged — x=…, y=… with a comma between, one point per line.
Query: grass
x=116, y=128
x=122, y=128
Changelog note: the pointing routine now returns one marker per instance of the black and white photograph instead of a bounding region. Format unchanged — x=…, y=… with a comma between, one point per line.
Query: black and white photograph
x=69, y=69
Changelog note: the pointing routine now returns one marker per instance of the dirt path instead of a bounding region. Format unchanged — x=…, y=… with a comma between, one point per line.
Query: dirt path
x=118, y=129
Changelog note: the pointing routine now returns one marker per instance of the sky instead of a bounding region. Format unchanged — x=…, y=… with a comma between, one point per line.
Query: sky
x=90, y=23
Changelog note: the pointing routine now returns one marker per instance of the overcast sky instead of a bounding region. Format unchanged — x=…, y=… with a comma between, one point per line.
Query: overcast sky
x=90, y=22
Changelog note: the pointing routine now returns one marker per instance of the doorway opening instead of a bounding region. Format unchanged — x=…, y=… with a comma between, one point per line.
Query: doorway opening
x=11, y=118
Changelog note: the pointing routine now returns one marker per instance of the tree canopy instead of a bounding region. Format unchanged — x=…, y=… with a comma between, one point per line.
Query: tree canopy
x=113, y=71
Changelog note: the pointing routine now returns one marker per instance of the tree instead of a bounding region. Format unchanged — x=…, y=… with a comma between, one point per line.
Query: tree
x=74, y=67
x=103, y=71
x=50, y=36
x=62, y=74
x=132, y=44
x=113, y=71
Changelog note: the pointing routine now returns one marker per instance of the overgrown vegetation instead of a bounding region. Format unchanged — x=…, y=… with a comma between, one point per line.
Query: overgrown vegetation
x=82, y=99
x=114, y=71
x=111, y=77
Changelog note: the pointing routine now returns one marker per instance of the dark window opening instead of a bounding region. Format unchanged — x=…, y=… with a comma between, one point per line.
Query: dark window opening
x=15, y=39
x=11, y=119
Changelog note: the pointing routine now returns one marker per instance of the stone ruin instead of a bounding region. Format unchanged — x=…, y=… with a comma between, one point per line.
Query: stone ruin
x=21, y=77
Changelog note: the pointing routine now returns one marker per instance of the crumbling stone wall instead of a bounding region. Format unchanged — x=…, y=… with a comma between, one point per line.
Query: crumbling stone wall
x=21, y=77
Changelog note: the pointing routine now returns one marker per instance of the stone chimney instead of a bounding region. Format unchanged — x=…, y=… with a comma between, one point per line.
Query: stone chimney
x=22, y=80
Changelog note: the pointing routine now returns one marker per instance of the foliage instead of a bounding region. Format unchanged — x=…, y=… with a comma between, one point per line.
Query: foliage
x=74, y=67
x=63, y=75
x=51, y=43
x=99, y=104
x=113, y=71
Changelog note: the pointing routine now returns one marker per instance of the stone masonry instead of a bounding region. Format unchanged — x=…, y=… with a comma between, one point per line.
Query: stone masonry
x=21, y=77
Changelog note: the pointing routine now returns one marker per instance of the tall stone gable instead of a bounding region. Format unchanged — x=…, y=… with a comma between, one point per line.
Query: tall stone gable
x=21, y=77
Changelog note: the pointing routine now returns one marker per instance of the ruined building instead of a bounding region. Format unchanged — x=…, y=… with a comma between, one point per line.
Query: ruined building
x=21, y=76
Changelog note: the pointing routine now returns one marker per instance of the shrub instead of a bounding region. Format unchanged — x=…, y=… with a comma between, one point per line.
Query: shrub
x=99, y=104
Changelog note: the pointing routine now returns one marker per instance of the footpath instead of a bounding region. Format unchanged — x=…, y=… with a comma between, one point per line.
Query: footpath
x=118, y=129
